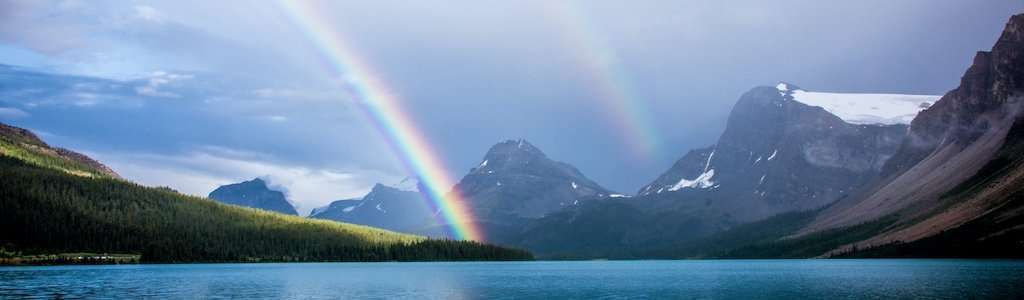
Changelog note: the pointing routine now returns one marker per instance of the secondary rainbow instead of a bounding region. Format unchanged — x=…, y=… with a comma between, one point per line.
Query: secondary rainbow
x=384, y=109
x=610, y=80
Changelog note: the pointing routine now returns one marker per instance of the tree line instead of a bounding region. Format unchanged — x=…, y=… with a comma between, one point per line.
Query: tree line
x=49, y=211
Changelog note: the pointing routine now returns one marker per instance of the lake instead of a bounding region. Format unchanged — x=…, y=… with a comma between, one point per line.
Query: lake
x=702, y=279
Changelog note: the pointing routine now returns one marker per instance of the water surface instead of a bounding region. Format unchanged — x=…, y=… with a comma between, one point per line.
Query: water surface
x=701, y=279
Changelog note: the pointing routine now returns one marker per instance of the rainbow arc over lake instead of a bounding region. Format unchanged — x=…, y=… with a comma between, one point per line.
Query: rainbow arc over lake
x=384, y=109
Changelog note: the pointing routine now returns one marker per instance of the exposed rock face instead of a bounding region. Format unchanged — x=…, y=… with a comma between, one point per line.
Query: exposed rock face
x=516, y=180
x=253, y=193
x=948, y=145
x=383, y=207
x=776, y=155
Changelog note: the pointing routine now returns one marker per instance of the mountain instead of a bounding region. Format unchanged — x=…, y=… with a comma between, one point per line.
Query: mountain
x=25, y=145
x=51, y=203
x=953, y=187
x=786, y=149
x=253, y=193
x=960, y=166
x=515, y=180
x=383, y=207
x=514, y=183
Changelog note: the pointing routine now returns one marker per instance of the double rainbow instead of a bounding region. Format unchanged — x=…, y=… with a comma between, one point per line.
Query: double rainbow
x=600, y=61
x=385, y=111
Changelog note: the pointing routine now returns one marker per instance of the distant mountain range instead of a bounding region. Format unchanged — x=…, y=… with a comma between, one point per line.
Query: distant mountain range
x=383, y=207
x=796, y=173
x=58, y=201
x=515, y=182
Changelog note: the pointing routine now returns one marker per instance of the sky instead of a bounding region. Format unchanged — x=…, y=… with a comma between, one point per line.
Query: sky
x=197, y=94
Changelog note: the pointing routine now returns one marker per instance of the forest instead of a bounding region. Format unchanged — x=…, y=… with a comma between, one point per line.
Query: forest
x=47, y=210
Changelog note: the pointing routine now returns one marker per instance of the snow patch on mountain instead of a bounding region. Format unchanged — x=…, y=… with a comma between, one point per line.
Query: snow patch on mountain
x=783, y=88
x=887, y=109
x=702, y=181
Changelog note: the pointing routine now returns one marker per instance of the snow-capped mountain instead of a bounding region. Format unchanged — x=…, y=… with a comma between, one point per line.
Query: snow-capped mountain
x=383, y=207
x=958, y=177
x=949, y=184
x=777, y=154
x=786, y=149
x=516, y=180
x=253, y=193
x=885, y=109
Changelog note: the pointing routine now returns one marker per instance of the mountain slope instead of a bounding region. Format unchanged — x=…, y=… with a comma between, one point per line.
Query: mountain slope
x=383, y=207
x=960, y=163
x=55, y=207
x=954, y=188
x=778, y=154
x=253, y=193
x=25, y=145
x=516, y=180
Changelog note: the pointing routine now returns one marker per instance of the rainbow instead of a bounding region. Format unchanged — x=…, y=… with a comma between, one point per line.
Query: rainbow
x=384, y=109
x=612, y=85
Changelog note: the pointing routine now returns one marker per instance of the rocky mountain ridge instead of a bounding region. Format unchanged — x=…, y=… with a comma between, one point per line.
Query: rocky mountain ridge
x=253, y=193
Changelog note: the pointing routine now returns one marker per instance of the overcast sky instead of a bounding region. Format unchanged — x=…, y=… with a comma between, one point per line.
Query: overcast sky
x=196, y=94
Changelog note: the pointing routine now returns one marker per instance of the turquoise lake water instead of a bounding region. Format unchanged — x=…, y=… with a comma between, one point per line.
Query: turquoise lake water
x=694, y=279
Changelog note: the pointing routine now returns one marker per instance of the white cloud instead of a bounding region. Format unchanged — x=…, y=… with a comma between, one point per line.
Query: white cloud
x=200, y=172
x=12, y=113
x=158, y=79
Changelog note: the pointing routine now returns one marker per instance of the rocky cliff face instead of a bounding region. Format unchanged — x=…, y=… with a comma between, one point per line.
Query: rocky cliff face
x=253, y=193
x=777, y=154
x=516, y=180
x=383, y=207
x=955, y=163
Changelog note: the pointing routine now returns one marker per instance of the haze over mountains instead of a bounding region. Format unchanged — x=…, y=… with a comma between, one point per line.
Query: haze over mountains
x=795, y=173
x=846, y=173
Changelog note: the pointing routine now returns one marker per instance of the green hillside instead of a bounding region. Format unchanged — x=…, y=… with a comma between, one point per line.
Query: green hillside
x=49, y=204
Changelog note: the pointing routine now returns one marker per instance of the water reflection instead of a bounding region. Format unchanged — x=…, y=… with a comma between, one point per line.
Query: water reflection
x=779, y=279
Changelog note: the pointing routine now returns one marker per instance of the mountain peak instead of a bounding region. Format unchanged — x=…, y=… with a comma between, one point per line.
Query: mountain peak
x=516, y=179
x=513, y=147
x=380, y=187
x=253, y=193
x=786, y=87
x=409, y=183
x=1014, y=31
